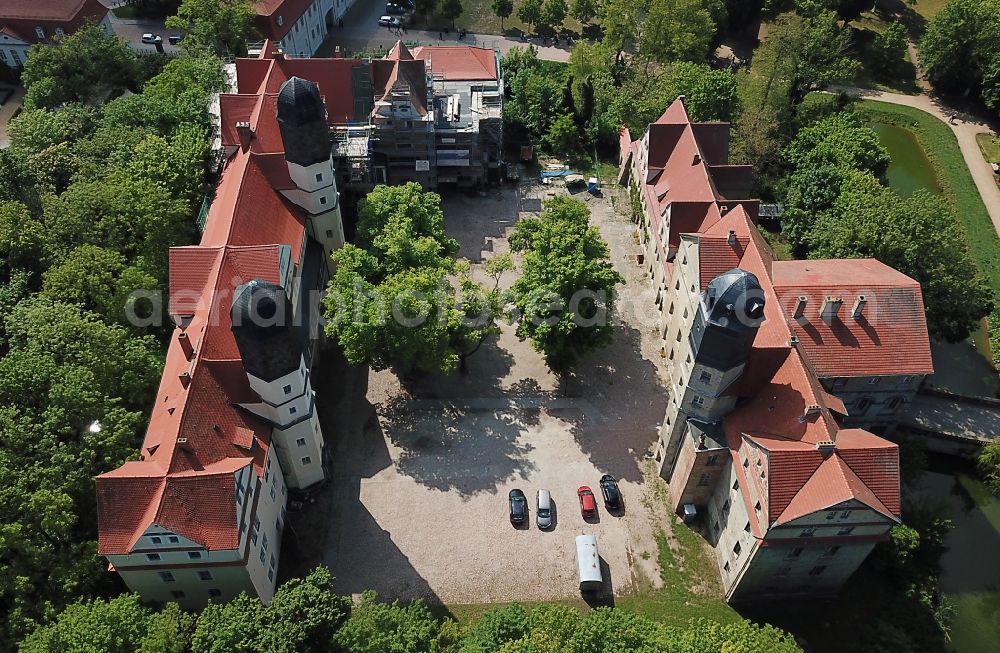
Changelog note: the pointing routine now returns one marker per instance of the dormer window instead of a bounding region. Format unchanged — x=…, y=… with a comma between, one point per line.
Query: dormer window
x=39, y=32
x=281, y=20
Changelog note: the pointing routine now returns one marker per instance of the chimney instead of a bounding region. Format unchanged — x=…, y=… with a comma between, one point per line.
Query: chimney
x=185, y=378
x=245, y=133
x=812, y=409
x=732, y=238
x=830, y=308
x=859, y=307
x=184, y=446
x=800, y=307
x=186, y=345
x=793, y=341
x=826, y=447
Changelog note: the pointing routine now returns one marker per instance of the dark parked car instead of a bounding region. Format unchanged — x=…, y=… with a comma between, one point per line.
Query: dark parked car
x=174, y=39
x=393, y=8
x=588, y=504
x=612, y=496
x=518, y=506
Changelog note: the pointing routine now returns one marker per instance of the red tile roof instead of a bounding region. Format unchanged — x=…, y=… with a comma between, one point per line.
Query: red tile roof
x=890, y=337
x=268, y=12
x=198, y=436
x=19, y=18
x=459, y=62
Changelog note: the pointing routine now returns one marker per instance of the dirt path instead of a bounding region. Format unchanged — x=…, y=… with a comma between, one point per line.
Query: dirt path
x=965, y=129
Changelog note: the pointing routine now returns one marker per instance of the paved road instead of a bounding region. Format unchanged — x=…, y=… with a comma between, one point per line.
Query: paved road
x=8, y=109
x=362, y=32
x=132, y=30
x=965, y=129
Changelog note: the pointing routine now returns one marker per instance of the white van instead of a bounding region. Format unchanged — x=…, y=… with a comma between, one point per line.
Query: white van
x=588, y=562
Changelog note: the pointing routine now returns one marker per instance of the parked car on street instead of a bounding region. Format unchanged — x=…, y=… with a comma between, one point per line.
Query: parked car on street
x=393, y=8
x=612, y=496
x=518, y=506
x=588, y=504
x=543, y=513
x=175, y=38
x=389, y=21
x=149, y=37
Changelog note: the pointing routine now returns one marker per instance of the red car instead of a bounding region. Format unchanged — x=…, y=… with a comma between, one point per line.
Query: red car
x=588, y=504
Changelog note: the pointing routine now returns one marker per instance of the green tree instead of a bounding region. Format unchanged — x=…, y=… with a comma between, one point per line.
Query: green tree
x=450, y=9
x=584, y=10
x=502, y=9
x=85, y=67
x=553, y=15
x=480, y=306
x=565, y=295
x=841, y=140
x=888, y=49
x=989, y=464
x=811, y=192
x=563, y=136
x=387, y=628
x=23, y=240
x=620, y=21
x=495, y=628
x=121, y=625
x=530, y=12
x=676, y=30
x=221, y=26
x=303, y=615
x=231, y=627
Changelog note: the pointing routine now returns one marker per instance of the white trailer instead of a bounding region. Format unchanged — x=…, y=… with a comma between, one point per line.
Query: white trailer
x=588, y=562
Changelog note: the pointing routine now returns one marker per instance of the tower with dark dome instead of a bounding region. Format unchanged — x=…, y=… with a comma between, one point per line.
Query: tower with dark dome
x=308, y=153
x=273, y=350
x=711, y=358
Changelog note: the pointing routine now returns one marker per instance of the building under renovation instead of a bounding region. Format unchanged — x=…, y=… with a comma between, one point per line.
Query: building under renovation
x=432, y=115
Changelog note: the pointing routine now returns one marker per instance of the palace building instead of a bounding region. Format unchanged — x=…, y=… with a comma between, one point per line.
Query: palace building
x=784, y=374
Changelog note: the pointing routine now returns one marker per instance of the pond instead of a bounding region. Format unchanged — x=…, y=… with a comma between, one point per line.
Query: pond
x=909, y=168
x=970, y=575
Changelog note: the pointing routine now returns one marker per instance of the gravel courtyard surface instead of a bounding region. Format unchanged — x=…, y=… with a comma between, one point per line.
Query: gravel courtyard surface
x=418, y=506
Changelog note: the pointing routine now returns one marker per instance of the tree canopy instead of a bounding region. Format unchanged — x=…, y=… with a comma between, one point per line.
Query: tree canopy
x=221, y=26
x=565, y=295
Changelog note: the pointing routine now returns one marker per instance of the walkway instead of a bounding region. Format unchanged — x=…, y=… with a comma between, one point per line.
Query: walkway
x=965, y=129
x=952, y=416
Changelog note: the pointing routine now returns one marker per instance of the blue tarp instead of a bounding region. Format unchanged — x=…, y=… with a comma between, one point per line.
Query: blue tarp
x=548, y=174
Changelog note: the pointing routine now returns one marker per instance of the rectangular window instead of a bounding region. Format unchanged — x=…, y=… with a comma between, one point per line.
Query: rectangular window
x=301, y=442
x=214, y=593
x=697, y=400
x=845, y=531
x=831, y=514
x=726, y=567
x=757, y=506
x=39, y=32
x=173, y=539
x=177, y=594
x=736, y=486
x=725, y=506
x=60, y=32
x=270, y=573
x=166, y=576
x=796, y=552
x=319, y=176
x=832, y=551
x=807, y=532
x=746, y=463
x=873, y=381
x=306, y=460
x=746, y=529
x=204, y=575
x=152, y=557
x=737, y=549
x=329, y=233
x=322, y=200
x=263, y=543
x=705, y=377
x=817, y=570
x=155, y=540
x=272, y=493
x=262, y=554
x=287, y=389
x=845, y=514
x=292, y=410
x=704, y=479
x=712, y=460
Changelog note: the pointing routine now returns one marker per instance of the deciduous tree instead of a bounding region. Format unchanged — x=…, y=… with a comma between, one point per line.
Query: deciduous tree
x=503, y=9
x=450, y=9
x=221, y=26
x=530, y=12
x=676, y=30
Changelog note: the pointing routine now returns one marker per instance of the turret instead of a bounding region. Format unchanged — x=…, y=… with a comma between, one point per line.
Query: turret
x=730, y=312
x=306, y=138
x=272, y=348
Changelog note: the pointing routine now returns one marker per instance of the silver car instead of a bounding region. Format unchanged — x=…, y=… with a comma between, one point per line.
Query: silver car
x=543, y=515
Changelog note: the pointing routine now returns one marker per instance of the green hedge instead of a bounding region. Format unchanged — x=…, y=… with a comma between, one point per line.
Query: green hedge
x=956, y=182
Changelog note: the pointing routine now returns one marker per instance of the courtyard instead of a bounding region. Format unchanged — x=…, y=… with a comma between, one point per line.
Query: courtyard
x=421, y=472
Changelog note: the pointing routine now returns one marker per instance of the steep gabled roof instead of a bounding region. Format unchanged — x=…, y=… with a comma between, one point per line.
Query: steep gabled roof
x=460, y=62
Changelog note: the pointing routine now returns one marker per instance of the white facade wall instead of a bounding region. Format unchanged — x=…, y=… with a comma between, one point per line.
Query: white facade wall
x=309, y=31
x=316, y=192
x=14, y=51
x=164, y=566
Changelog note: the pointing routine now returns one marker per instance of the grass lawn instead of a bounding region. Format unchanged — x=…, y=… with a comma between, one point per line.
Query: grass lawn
x=939, y=143
x=990, y=146
x=901, y=78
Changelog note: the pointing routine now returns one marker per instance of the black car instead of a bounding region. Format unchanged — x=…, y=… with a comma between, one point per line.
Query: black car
x=518, y=506
x=612, y=496
x=394, y=8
